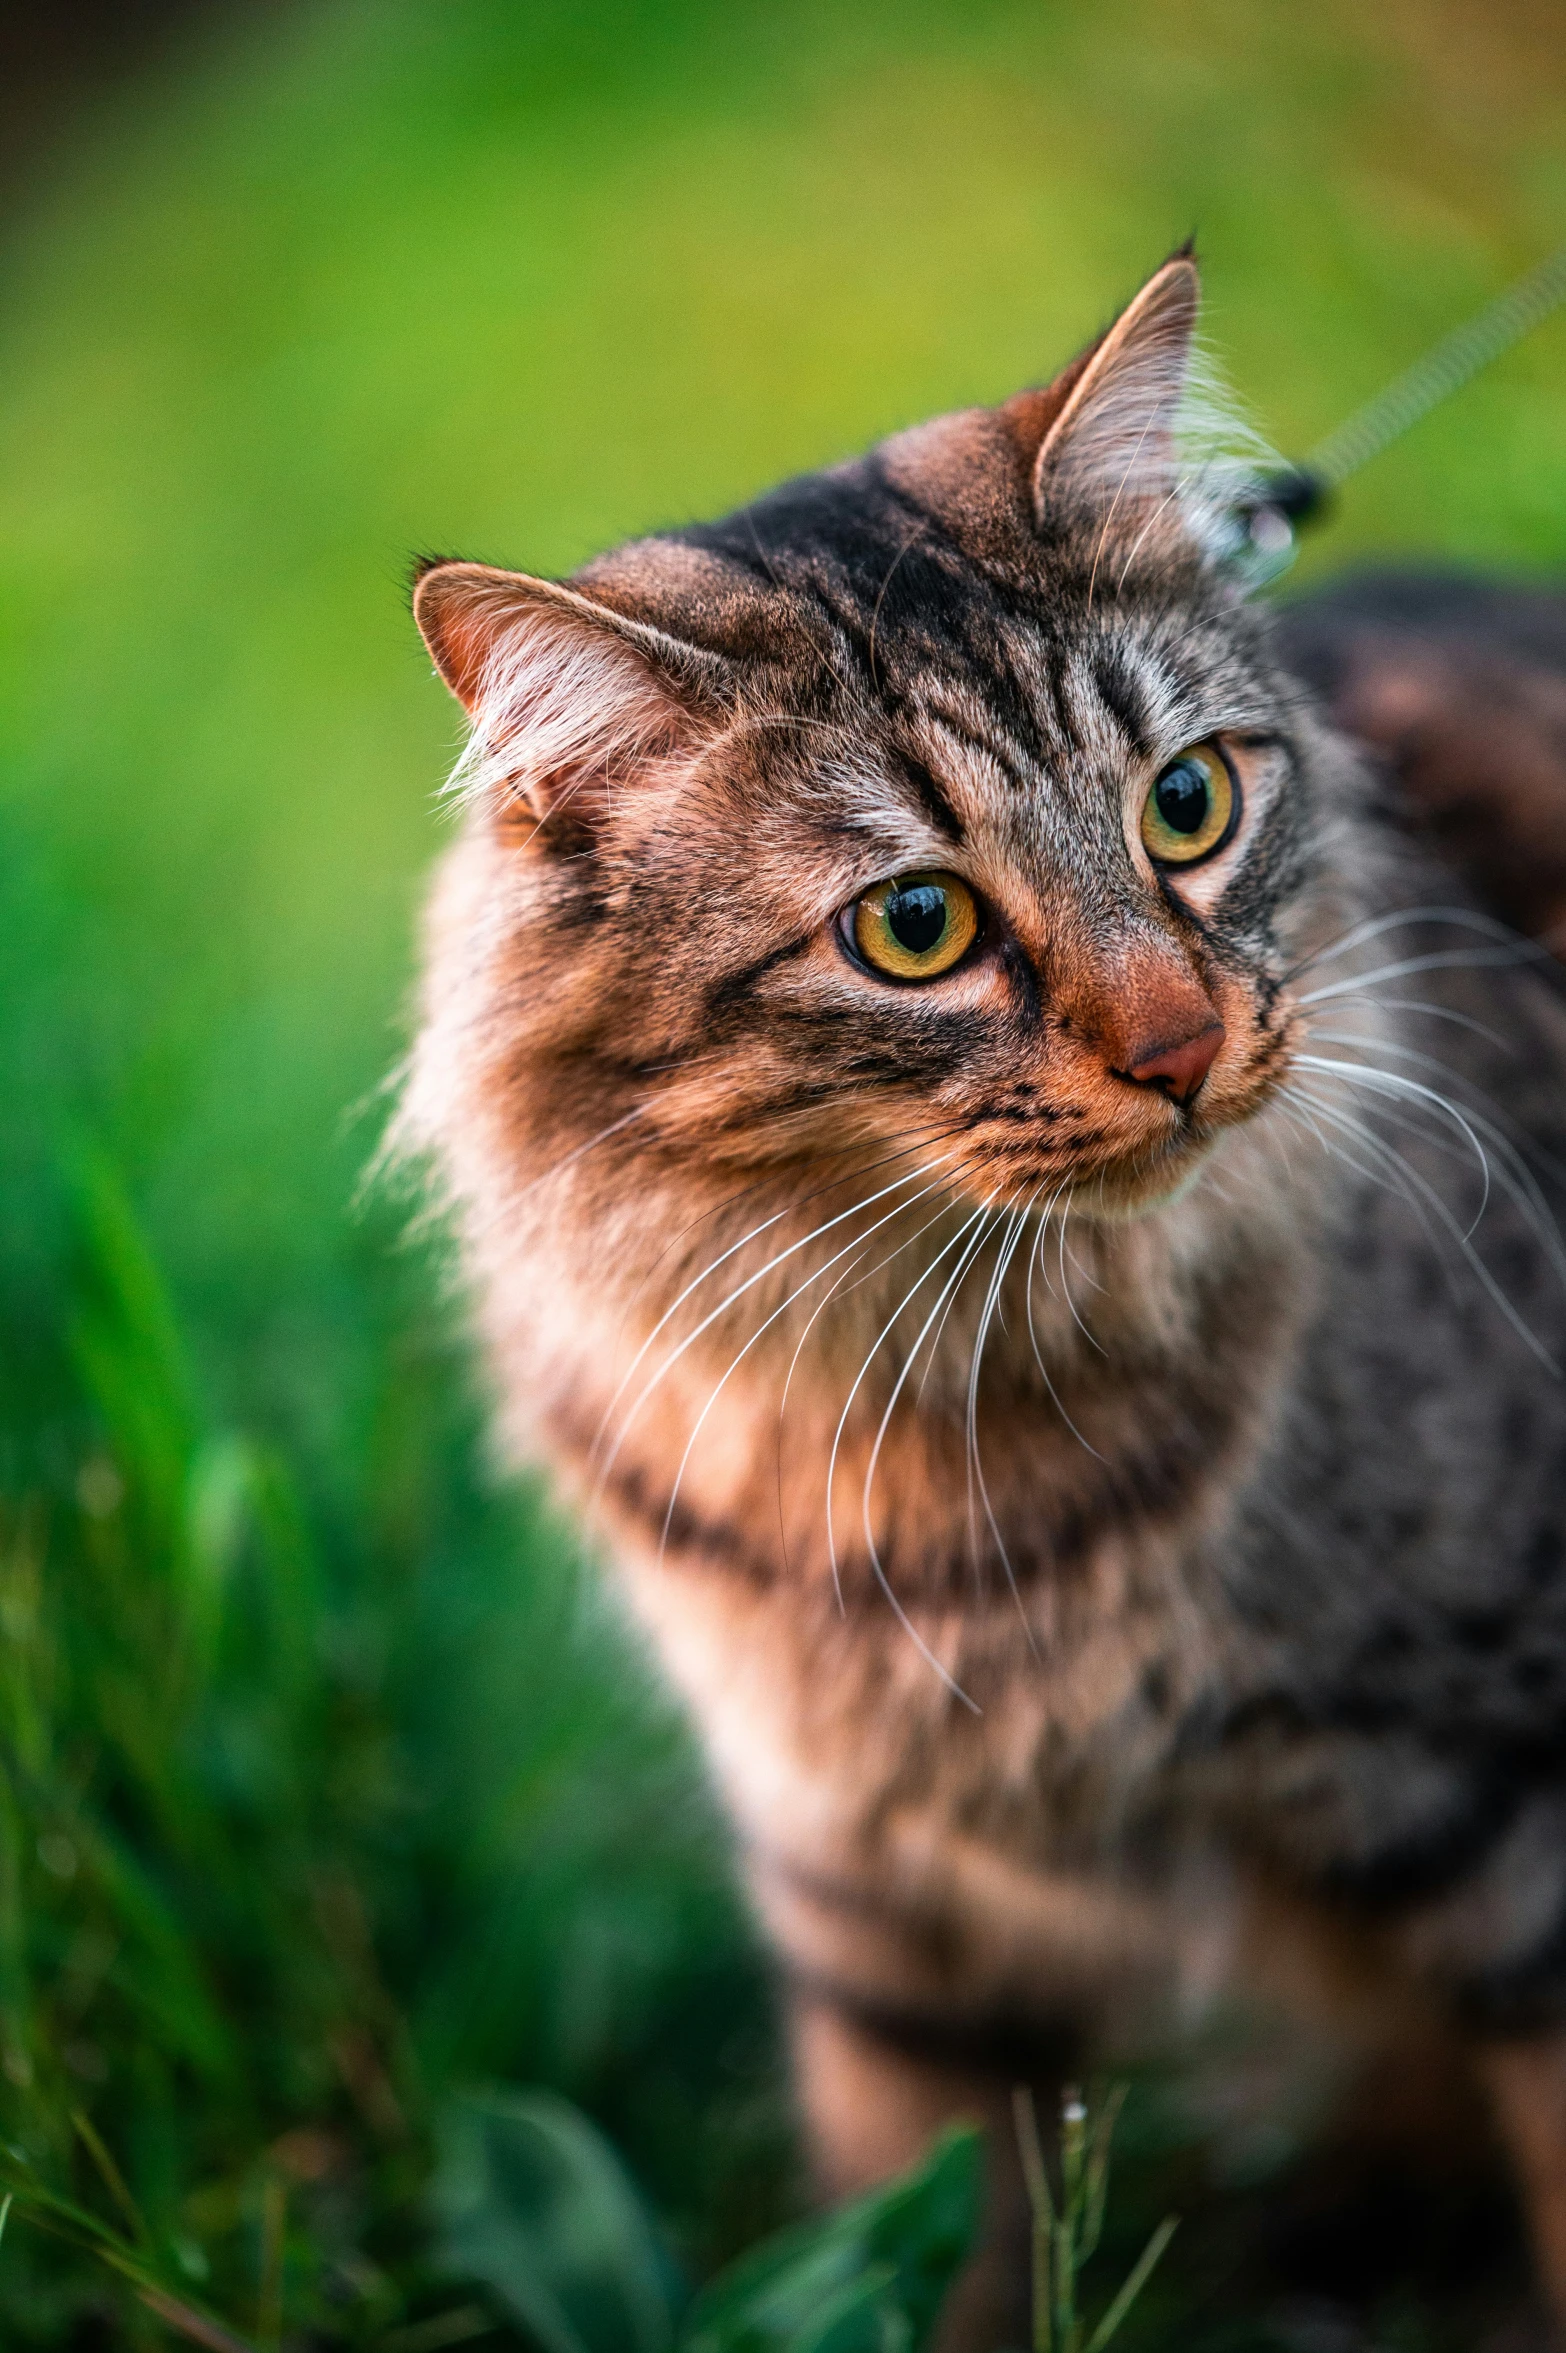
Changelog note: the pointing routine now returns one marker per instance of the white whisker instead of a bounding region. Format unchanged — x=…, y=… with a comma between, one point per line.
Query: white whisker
x=1036, y=1260
x=1479, y=1029
x=934, y=1350
x=762, y=1328
x=977, y=1218
x=811, y=1321
x=778, y=1259
x=1004, y=1257
x=1373, y=927
x=1387, y=1170
x=1513, y=1173
x=761, y=1184
x=569, y=1159
x=1393, y=1083
x=1387, y=1154
x=1065, y=1284
x=1506, y=1146
x=1436, y=960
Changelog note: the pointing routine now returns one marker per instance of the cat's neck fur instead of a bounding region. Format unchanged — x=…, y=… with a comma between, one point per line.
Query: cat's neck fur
x=707, y=1370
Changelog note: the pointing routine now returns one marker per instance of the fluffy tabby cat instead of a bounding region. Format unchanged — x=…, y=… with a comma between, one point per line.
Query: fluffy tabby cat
x=967, y=1103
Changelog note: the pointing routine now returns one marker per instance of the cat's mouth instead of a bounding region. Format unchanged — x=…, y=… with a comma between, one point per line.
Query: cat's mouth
x=1134, y=1189
x=1130, y=1156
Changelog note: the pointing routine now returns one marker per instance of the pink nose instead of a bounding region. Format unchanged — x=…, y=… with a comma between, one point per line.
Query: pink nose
x=1178, y=1070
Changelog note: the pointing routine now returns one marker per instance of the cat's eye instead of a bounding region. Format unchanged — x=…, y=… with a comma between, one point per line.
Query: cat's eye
x=914, y=926
x=1192, y=808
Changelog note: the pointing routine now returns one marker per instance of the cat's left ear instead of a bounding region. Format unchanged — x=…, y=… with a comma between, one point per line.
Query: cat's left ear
x=569, y=697
x=1111, y=446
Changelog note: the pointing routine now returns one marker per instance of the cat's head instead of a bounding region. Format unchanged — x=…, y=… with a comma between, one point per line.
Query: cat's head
x=945, y=802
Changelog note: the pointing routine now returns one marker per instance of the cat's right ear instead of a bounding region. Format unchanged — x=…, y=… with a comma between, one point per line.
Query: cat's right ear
x=1111, y=443
x=570, y=698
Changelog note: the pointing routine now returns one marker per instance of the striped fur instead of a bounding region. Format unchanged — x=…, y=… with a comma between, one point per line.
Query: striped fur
x=1113, y=1550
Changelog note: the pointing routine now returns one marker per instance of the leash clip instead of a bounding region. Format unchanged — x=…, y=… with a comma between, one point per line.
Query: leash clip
x=1265, y=521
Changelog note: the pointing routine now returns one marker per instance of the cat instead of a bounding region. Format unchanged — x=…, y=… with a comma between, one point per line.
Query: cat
x=1005, y=1166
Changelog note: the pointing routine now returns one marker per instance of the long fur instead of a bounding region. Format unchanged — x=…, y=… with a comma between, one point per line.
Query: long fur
x=1090, y=1530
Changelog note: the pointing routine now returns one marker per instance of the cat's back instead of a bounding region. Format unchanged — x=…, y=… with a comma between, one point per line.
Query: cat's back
x=1458, y=687
x=1399, y=1563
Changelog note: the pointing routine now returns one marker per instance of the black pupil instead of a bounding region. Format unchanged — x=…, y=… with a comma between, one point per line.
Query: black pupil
x=916, y=918
x=1184, y=796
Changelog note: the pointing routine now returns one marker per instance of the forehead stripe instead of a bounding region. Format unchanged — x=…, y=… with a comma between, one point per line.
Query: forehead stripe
x=933, y=804
x=1123, y=697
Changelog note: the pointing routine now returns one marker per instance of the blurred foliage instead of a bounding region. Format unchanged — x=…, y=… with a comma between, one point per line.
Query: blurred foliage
x=540, y=2216
x=329, y=1784
x=535, y=2205
x=298, y=1826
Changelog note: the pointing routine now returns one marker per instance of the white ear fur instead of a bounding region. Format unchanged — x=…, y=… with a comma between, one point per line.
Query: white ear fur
x=567, y=697
x=1113, y=445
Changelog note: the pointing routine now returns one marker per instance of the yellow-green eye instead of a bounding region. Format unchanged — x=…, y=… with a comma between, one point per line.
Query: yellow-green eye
x=915, y=926
x=1191, y=809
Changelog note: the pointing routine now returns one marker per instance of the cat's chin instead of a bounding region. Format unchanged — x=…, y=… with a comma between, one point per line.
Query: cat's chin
x=1116, y=1195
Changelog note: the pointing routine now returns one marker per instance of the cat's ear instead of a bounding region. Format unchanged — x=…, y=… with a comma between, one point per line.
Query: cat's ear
x=1095, y=447
x=1110, y=443
x=569, y=697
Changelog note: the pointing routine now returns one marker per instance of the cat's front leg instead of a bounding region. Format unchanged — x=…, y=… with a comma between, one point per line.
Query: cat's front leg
x=1526, y=2079
x=874, y=2091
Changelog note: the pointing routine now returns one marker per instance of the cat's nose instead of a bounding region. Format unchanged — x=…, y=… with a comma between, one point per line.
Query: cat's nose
x=1178, y=1066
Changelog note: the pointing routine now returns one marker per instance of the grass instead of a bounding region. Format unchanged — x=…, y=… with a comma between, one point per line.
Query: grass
x=304, y=1824
x=331, y=1785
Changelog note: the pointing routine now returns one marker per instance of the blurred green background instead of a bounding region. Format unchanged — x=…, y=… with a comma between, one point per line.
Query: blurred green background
x=328, y=1781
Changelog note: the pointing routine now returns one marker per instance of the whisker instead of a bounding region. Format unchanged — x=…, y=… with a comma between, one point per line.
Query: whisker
x=978, y=1219
x=1373, y=927
x=1086, y=1273
x=934, y=1349
x=911, y=1358
x=975, y=1354
x=1437, y=960
x=779, y=1258
x=1004, y=1257
x=812, y=1320
x=1065, y=1284
x=912, y=1243
x=1433, y=1140
x=1514, y=1147
x=1393, y=1173
x=1036, y=1259
x=859, y=1379
x=1517, y=1179
x=1037, y=1254
x=1394, y=1083
x=1388, y=1170
x=761, y=1184
x=1385, y=1152
x=790, y=1208
x=1449, y=1013
x=762, y=1328
x=569, y=1159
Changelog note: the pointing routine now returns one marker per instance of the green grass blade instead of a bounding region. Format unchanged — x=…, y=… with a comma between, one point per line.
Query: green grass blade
x=1136, y=2280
